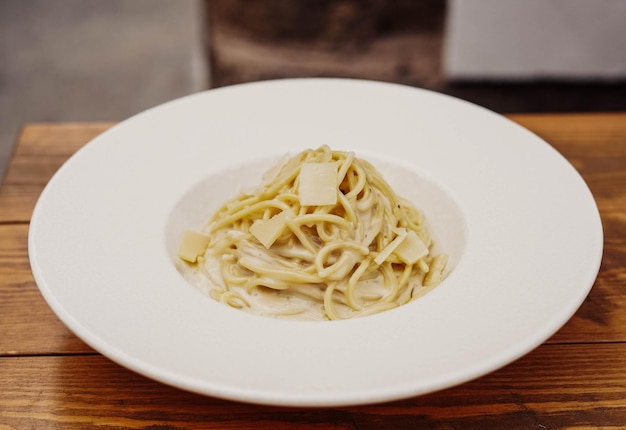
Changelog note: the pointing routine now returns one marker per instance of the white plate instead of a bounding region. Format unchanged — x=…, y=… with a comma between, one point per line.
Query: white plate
x=521, y=226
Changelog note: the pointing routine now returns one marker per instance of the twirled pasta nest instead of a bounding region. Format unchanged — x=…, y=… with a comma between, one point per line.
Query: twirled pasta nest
x=323, y=237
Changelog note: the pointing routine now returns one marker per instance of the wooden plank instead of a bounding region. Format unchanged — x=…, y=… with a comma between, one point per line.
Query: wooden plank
x=556, y=386
x=39, y=153
x=18, y=201
x=574, y=126
x=27, y=324
x=43, y=148
x=31, y=170
x=62, y=138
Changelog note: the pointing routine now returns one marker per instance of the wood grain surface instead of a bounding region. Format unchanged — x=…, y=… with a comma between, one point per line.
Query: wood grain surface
x=576, y=380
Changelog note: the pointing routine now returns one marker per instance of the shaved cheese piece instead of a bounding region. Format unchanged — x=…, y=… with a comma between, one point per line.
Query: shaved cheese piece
x=318, y=184
x=192, y=246
x=391, y=247
x=268, y=230
x=411, y=249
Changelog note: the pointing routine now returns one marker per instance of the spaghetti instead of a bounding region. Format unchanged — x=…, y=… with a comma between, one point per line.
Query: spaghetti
x=323, y=237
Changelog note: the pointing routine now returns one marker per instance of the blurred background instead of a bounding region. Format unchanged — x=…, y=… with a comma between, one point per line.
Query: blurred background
x=97, y=60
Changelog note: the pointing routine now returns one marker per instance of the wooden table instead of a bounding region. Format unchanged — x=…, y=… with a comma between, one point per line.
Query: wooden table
x=577, y=379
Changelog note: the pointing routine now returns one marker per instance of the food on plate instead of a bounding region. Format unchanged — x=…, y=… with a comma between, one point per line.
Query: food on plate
x=323, y=237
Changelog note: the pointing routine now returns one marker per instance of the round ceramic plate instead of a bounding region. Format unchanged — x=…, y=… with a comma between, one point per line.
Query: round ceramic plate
x=520, y=226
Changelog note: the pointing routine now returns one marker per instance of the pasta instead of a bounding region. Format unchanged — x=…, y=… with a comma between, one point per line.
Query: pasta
x=323, y=237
